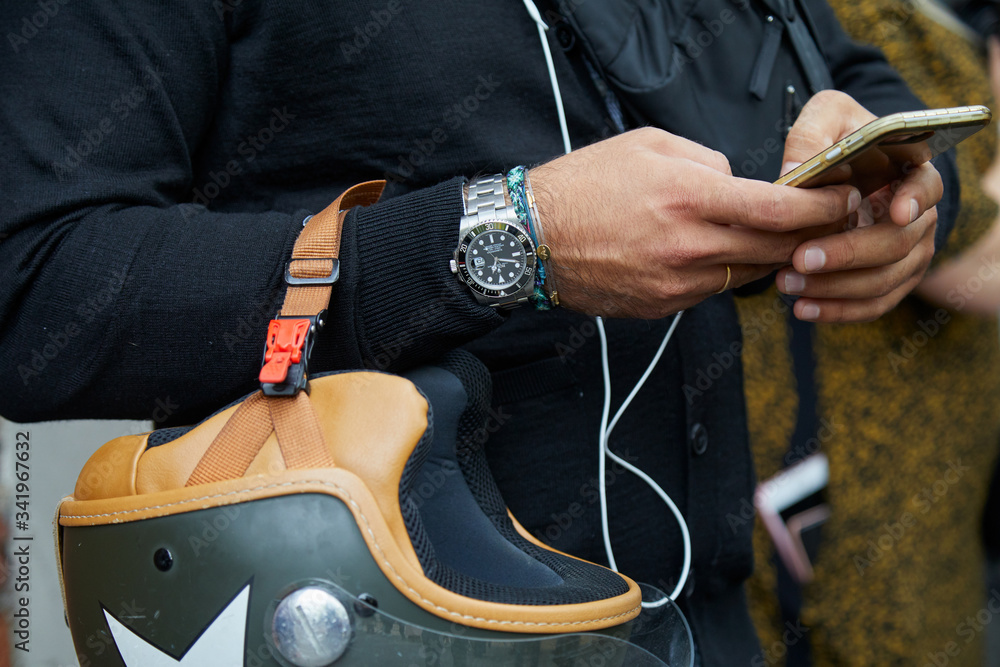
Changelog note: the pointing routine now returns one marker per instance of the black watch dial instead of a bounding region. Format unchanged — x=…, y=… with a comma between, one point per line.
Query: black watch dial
x=496, y=259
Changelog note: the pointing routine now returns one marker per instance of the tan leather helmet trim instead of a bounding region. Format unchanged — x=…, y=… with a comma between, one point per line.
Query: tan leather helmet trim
x=364, y=455
x=354, y=427
x=391, y=550
x=111, y=470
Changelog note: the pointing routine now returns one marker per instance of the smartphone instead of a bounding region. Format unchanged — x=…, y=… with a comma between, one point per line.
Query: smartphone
x=792, y=506
x=887, y=148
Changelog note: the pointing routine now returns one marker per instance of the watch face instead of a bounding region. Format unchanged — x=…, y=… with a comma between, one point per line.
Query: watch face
x=496, y=259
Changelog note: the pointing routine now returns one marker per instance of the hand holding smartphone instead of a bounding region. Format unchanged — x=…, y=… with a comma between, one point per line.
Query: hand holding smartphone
x=886, y=149
x=881, y=153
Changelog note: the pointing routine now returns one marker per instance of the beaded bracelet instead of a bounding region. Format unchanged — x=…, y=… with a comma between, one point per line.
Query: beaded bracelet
x=543, y=250
x=527, y=212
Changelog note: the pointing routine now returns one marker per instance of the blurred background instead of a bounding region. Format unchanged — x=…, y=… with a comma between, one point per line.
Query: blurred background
x=57, y=453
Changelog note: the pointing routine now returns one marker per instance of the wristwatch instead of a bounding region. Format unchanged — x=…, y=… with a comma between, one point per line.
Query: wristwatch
x=495, y=256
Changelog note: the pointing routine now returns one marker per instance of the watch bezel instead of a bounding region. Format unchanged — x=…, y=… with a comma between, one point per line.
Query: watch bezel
x=530, y=263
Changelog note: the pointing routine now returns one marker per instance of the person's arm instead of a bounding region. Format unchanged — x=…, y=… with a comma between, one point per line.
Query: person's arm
x=117, y=298
x=169, y=303
x=970, y=280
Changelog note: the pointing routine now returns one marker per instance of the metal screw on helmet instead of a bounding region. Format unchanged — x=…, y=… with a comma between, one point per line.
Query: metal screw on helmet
x=311, y=627
x=368, y=608
x=163, y=560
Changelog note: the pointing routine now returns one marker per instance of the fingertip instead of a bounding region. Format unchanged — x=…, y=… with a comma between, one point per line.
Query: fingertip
x=807, y=311
x=814, y=259
x=792, y=282
x=903, y=211
x=853, y=201
x=900, y=210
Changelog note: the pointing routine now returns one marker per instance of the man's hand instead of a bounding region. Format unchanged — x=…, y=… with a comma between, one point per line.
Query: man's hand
x=645, y=223
x=862, y=272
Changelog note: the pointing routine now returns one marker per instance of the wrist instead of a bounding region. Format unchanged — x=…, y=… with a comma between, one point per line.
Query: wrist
x=546, y=293
x=548, y=210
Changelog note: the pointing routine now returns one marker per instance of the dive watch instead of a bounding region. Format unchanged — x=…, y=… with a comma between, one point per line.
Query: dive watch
x=495, y=256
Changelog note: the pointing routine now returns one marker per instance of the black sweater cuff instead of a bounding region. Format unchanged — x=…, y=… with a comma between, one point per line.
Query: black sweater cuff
x=397, y=303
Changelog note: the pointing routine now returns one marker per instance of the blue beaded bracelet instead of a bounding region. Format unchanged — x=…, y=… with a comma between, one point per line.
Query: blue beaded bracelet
x=523, y=207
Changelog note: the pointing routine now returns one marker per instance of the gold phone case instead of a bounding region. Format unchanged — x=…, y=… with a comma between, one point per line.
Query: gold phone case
x=903, y=139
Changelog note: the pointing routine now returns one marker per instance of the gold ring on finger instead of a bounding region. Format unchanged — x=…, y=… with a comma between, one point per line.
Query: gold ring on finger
x=729, y=278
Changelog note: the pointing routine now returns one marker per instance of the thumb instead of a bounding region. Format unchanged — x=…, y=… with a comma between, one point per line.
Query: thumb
x=788, y=166
x=825, y=119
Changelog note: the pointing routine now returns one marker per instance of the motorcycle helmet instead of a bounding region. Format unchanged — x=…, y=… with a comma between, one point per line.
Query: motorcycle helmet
x=346, y=518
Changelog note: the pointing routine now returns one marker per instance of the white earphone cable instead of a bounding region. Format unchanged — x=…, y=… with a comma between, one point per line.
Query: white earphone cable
x=605, y=434
x=606, y=428
x=556, y=93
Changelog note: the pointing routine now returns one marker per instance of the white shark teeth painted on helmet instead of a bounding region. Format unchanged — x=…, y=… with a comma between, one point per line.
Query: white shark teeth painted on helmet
x=220, y=645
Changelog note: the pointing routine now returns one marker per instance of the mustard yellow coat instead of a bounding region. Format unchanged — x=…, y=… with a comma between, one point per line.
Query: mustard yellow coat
x=913, y=405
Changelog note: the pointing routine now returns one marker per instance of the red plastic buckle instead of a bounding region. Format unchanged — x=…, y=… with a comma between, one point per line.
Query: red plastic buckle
x=286, y=341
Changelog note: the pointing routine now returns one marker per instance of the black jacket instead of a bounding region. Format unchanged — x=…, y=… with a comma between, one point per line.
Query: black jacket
x=159, y=159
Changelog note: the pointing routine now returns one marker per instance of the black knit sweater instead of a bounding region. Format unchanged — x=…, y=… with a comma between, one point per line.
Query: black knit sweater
x=158, y=160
